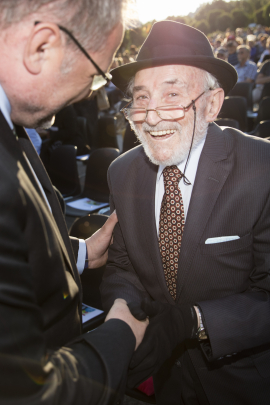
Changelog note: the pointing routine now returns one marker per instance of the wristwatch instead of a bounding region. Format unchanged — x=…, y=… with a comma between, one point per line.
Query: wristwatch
x=201, y=333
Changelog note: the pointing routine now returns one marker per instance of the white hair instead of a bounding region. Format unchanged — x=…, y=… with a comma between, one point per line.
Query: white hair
x=90, y=21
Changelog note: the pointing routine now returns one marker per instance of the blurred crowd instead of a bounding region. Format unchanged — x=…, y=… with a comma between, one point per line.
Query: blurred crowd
x=248, y=50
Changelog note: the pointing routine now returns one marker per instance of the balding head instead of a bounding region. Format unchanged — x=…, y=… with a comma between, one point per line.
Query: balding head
x=43, y=67
x=90, y=21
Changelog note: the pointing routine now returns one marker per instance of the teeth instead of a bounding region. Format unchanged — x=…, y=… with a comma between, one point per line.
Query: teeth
x=160, y=133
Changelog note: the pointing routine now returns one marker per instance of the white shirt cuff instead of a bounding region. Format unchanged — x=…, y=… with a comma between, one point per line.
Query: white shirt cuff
x=81, y=256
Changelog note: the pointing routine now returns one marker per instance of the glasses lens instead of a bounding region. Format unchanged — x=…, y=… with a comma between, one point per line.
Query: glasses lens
x=135, y=114
x=98, y=82
x=170, y=112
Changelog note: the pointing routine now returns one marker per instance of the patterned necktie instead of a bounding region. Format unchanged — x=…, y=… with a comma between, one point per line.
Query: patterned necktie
x=171, y=226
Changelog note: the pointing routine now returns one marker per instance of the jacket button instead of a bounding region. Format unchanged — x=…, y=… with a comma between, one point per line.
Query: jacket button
x=178, y=363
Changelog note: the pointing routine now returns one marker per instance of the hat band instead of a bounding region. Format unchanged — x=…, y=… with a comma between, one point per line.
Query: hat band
x=165, y=51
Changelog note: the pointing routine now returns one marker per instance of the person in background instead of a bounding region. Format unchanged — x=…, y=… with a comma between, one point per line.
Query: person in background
x=265, y=53
x=254, y=51
x=232, y=54
x=221, y=53
x=262, y=78
x=246, y=69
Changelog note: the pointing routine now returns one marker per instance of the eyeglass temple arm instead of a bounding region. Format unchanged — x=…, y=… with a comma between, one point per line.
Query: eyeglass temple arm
x=80, y=47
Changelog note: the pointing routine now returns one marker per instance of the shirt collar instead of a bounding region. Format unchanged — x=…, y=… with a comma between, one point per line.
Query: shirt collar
x=5, y=107
x=246, y=64
x=194, y=155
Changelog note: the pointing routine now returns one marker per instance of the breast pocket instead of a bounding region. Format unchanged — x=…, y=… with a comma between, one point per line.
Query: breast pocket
x=215, y=249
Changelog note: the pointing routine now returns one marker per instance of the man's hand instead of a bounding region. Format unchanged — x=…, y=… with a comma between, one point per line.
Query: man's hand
x=97, y=245
x=169, y=325
x=120, y=310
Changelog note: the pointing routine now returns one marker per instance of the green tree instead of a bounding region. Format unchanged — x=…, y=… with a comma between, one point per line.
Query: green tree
x=267, y=14
x=212, y=19
x=259, y=16
x=224, y=21
x=203, y=26
x=178, y=19
x=239, y=18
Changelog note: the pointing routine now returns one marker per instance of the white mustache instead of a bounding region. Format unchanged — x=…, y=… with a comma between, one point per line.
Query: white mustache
x=162, y=126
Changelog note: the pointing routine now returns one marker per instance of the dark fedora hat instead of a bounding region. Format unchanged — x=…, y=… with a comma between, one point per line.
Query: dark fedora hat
x=170, y=43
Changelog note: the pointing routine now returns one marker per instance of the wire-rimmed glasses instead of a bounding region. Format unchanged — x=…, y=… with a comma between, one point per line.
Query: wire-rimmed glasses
x=166, y=113
x=98, y=80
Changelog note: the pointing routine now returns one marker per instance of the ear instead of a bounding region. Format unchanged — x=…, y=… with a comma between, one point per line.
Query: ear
x=214, y=104
x=44, y=45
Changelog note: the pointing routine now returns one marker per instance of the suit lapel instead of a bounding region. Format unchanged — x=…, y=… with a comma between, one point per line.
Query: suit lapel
x=57, y=217
x=210, y=178
x=145, y=207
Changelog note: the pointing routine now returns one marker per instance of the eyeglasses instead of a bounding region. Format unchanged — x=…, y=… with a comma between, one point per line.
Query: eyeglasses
x=98, y=80
x=166, y=113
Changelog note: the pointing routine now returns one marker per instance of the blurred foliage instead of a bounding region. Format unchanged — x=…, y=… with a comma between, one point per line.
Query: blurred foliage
x=211, y=17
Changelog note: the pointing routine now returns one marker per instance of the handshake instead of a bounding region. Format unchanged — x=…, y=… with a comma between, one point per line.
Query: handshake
x=158, y=329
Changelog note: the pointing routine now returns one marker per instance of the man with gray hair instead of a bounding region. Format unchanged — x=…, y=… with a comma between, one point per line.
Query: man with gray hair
x=53, y=53
x=246, y=68
x=191, y=248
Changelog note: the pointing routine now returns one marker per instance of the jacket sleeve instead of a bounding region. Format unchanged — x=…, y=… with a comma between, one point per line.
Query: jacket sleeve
x=120, y=279
x=242, y=321
x=90, y=370
x=75, y=246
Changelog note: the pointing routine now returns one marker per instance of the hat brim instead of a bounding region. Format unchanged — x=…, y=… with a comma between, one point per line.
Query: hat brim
x=223, y=71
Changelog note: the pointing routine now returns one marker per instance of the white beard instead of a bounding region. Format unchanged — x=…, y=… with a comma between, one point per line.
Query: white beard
x=176, y=150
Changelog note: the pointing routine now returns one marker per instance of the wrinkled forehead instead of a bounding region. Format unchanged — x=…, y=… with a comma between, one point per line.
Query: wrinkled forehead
x=158, y=77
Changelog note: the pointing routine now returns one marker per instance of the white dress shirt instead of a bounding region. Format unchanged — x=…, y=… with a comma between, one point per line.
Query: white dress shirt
x=186, y=190
x=5, y=108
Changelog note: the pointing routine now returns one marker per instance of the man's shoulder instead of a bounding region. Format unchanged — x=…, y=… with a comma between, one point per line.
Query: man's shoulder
x=251, y=63
x=246, y=146
x=128, y=158
x=252, y=66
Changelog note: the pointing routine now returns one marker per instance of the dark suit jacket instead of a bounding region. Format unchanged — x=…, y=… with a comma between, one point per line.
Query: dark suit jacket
x=230, y=281
x=40, y=297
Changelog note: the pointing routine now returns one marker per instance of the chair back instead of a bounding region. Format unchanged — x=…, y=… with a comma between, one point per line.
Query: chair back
x=235, y=108
x=82, y=122
x=62, y=169
x=243, y=89
x=266, y=90
x=263, y=129
x=96, y=185
x=106, y=137
x=227, y=122
x=264, y=110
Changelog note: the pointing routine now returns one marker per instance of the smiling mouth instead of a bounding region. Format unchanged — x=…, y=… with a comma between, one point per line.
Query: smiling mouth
x=162, y=134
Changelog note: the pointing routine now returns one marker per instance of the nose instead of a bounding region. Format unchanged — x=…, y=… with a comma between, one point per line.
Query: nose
x=152, y=117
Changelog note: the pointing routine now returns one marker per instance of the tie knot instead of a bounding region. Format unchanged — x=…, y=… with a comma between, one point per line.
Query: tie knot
x=171, y=174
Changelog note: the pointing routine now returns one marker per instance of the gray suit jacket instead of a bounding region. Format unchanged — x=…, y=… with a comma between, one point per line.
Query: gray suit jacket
x=230, y=281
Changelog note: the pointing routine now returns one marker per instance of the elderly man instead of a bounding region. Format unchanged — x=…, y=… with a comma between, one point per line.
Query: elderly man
x=192, y=242
x=246, y=69
x=46, y=65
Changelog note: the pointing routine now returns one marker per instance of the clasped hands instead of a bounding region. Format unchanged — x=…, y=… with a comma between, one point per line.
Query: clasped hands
x=169, y=326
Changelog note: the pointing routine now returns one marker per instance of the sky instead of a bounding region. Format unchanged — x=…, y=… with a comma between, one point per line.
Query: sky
x=160, y=9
